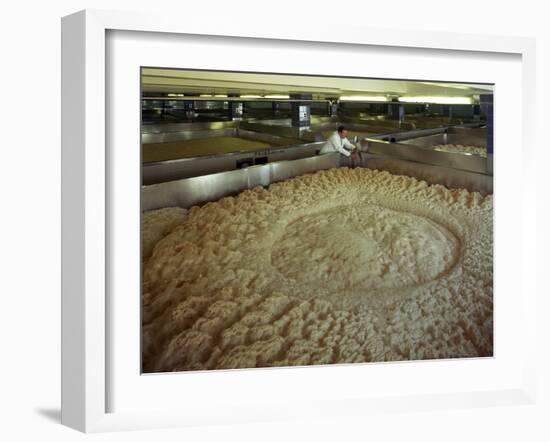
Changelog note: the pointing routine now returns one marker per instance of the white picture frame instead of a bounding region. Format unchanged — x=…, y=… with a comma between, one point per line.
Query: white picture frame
x=87, y=357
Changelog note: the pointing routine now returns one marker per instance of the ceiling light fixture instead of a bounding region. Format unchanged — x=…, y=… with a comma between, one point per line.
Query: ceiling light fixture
x=363, y=98
x=437, y=100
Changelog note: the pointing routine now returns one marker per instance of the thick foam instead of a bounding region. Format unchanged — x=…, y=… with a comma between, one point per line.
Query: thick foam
x=459, y=148
x=344, y=265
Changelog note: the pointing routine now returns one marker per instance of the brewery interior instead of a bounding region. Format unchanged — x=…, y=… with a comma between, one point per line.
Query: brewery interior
x=247, y=129
x=262, y=249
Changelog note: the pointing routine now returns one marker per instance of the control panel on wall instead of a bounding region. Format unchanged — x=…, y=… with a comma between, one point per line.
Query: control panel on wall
x=303, y=112
x=238, y=109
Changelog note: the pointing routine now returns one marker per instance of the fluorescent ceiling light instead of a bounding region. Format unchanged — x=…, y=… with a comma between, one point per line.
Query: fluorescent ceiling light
x=220, y=96
x=205, y=95
x=175, y=95
x=251, y=96
x=363, y=98
x=277, y=96
x=437, y=100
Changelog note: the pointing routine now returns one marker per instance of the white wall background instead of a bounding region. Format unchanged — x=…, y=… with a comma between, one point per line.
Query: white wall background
x=30, y=219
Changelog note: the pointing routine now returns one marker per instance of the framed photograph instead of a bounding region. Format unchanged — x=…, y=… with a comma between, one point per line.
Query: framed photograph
x=264, y=223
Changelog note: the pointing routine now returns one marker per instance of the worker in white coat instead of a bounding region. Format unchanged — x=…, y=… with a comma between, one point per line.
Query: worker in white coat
x=338, y=142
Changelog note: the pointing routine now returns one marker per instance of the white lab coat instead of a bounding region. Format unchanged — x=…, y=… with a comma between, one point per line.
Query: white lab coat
x=337, y=144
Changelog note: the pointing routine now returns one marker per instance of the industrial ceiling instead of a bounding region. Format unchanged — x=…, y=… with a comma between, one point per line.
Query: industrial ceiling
x=162, y=81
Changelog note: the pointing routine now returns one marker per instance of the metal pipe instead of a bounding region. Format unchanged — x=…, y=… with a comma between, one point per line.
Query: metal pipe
x=190, y=98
